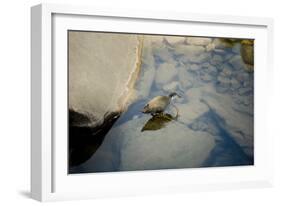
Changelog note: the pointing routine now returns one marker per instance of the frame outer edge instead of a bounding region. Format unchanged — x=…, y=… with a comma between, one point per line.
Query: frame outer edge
x=41, y=27
x=271, y=68
x=36, y=117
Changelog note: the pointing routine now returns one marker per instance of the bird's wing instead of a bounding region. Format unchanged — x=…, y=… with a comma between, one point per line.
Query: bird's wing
x=159, y=101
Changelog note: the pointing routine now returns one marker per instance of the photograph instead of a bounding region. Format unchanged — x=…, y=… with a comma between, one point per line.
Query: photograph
x=141, y=102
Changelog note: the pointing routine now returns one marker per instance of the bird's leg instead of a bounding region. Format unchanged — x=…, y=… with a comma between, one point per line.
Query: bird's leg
x=177, y=110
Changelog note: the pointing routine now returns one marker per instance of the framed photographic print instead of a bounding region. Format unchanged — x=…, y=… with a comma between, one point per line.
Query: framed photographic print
x=134, y=102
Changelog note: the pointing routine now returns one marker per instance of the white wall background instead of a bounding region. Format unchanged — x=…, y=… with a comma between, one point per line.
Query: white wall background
x=15, y=103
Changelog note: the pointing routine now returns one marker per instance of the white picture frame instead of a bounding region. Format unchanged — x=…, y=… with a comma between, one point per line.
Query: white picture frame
x=49, y=178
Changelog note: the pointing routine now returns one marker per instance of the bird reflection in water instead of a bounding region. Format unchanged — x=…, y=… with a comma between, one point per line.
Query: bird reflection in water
x=158, y=121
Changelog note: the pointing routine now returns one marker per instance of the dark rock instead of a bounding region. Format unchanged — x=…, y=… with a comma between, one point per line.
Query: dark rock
x=85, y=140
x=77, y=119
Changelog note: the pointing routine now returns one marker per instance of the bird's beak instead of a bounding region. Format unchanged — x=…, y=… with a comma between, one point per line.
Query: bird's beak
x=179, y=96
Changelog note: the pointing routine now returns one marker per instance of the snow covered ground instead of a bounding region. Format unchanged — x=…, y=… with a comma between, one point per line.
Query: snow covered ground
x=100, y=67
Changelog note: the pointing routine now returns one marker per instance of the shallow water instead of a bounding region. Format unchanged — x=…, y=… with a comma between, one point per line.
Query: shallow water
x=215, y=123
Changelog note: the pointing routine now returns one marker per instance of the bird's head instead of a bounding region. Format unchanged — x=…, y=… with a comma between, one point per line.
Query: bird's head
x=174, y=94
x=145, y=109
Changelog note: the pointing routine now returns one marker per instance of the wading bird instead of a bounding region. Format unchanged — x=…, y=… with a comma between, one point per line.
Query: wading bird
x=158, y=104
